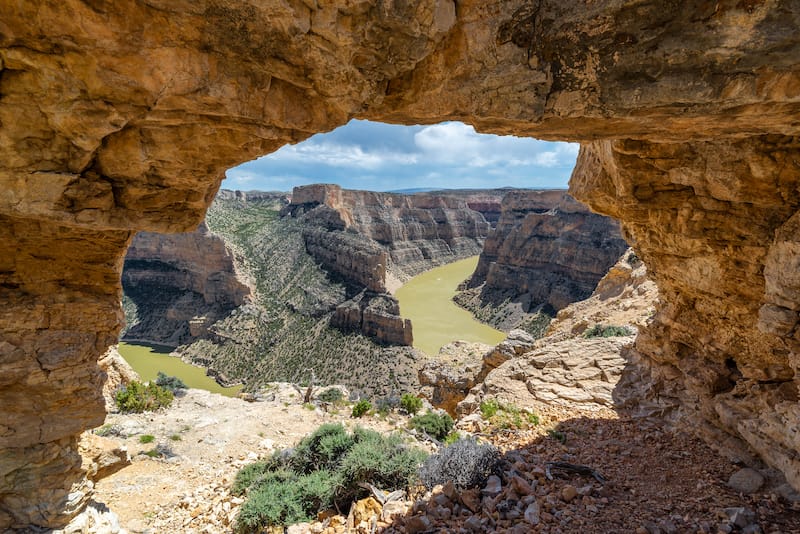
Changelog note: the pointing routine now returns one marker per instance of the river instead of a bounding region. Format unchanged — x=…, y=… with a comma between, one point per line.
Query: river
x=147, y=360
x=427, y=299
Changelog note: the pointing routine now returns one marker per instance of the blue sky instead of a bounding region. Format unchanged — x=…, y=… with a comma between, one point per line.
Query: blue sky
x=384, y=157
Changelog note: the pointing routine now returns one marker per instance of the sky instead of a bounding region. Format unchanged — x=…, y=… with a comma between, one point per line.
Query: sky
x=384, y=157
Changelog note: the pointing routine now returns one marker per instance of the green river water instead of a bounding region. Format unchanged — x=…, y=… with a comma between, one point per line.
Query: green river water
x=147, y=360
x=436, y=320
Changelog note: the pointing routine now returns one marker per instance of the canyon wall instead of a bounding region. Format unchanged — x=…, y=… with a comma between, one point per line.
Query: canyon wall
x=416, y=232
x=123, y=116
x=178, y=285
x=546, y=252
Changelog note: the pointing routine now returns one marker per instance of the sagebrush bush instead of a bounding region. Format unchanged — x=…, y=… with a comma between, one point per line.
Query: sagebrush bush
x=361, y=408
x=137, y=397
x=323, y=471
x=410, y=403
x=435, y=425
x=384, y=405
x=172, y=383
x=466, y=462
x=507, y=416
x=331, y=395
x=600, y=330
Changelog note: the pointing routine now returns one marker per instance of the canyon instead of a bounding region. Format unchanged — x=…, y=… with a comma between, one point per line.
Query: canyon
x=122, y=117
x=546, y=251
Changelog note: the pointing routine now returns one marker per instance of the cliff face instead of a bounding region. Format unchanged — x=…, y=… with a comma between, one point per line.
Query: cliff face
x=373, y=241
x=414, y=232
x=546, y=252
x=714, y=219
x=122, y=116
x=179, y=284
x=298, y=317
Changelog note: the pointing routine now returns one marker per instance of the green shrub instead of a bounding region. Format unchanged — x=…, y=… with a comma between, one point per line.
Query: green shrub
x=451, y=438
x=600, y=330
x=435, y=425
x=361, y=408
x=146, y=438
x=507, y=416
x=325, y=470
x=331, y=395
x=172, y=383
x=137, y=397
x=489, y=408
x=466, y=463
x=410, y=403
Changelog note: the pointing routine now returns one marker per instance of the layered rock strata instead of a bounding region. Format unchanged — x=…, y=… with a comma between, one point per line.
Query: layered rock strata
x=377, y=316
x=119, y=117
x=179, y=284
x=714, y=219
x=573, y=364
x=371, y=241
x=413, y=233
x=546, y=252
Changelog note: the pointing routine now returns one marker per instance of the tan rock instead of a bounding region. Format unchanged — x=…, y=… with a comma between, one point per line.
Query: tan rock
x=101, y=456
x=118, y=373
x=125, y=118
x=365, y=510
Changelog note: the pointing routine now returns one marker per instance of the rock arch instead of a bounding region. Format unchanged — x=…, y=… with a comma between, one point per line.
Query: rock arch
x=122, y=116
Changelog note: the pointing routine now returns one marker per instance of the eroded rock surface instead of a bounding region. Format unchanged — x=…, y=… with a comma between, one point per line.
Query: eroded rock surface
x=574, y=364
x=123, y=116
x=710, y=218
x=390, y=234
x=546, y=252
x=179, y=284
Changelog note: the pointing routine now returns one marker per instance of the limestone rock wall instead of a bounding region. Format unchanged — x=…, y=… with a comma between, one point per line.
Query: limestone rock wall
x=547, y=249
x=377, y=316
x=180, y=284
x=122, y=116
x=416, y=231
x=711, y=218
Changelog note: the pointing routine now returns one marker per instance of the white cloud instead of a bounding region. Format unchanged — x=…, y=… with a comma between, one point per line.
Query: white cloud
x=339, y=155
x=458, y=143
x=369, y=155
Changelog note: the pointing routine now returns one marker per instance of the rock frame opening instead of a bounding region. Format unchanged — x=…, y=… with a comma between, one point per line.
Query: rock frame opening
x=120, y=117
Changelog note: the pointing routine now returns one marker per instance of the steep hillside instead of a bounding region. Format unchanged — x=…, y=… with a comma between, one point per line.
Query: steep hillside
x=546, y=251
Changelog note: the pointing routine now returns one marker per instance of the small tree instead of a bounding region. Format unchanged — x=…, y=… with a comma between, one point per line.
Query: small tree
x=435, y=425
x=137, y=397
x=410, y=403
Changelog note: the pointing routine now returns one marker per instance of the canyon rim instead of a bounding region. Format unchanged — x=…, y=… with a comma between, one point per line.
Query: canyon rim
x=117, y=117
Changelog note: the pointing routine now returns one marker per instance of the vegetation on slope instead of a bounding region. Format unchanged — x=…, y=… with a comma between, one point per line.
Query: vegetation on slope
x=504, y=313
x=328, y=469
x=284, y=332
